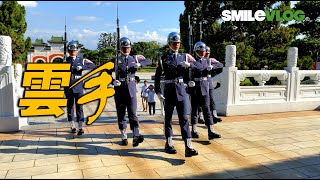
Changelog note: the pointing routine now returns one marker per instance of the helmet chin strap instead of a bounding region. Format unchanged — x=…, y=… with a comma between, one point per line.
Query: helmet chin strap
x=125, y=54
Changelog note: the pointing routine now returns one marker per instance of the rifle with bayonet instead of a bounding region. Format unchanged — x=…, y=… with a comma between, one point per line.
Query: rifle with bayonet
x=117, y=48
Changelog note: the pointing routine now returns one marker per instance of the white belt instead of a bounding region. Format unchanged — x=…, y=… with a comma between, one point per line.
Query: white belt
x=201, y=79
x=174, y=81
x=127, y=79
x=209, y=76
x=77, y=77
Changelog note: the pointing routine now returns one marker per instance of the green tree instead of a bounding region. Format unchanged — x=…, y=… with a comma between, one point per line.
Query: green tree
x=147, y=49
x=13, y=24
x=28, y=43
x=107, y=40
x=311, y=27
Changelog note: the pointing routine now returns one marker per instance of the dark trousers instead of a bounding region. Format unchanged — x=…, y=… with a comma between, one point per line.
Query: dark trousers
x=181, y=106
x=212, y=104
x=124, y=101
x=152, y=105
x=72, y=98
x=197, y=99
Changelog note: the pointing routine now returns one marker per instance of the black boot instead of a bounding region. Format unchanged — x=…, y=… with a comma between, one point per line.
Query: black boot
x=212, y=135
x=190, y=152
x=170, y=149
x=194, y=134
x=73, y=130
x=216, y=119
x=124, y=142
x=201, y=121
x=137, y=140
x=80, y=132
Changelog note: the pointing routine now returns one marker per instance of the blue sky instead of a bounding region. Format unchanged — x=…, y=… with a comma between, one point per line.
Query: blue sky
x=86, y=20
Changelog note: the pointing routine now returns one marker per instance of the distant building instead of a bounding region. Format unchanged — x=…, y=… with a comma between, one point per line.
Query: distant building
x=47, y=53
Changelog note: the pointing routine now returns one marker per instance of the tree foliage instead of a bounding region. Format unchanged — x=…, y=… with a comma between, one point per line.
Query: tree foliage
x=13, y=24
x=107, y=40
x=258, y=43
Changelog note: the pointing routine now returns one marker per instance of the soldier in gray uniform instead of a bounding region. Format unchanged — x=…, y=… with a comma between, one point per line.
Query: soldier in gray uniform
x=173, y=66
x=78, y=64
x=199, y=93
x=125, y=90
x=216, y=64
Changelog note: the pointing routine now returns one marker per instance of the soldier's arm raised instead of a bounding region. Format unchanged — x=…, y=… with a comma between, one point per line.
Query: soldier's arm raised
x=215, y=63
x=87, y=64
x=142, y=60
x=193, y=63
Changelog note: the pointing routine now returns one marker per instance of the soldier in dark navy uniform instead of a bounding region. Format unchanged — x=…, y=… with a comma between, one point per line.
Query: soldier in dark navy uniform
x=125, y=90
x=216, y=64
x=174, y=67
x=78, y=64
x=200, y=93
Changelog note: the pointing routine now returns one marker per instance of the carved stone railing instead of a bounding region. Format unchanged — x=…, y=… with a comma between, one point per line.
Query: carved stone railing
x=233, y=99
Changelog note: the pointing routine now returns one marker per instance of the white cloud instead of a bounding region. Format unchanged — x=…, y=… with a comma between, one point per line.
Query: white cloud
x=101, y=3
x=85, y=18
x=30, y=4
x=169, y=30
x=136, y=21
x=142, y=36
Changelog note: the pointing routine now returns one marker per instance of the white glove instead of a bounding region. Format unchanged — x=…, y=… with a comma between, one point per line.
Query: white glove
x=116, y=83
x=191, y=84
x=79, y=68
x=161, y=97
x=209, y=68
x=137, y=65
x=185, y=64
x=185, y=85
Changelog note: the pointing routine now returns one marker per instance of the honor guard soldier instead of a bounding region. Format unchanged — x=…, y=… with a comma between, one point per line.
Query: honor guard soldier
x=78, y=64
x=125, y=90
x=199, y=93
x=174, y=66
x=216, y=64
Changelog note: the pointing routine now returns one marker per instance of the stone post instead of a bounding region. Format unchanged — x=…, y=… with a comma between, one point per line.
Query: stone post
x=229, y=85
x=294, y=77
x=9, y=111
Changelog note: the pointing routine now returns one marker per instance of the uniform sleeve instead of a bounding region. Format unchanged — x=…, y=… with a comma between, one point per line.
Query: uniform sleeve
x=216, y=64
x=157, y=78
x=193, y=63
x=109, y=71
x=142, y=60
x=87, y=64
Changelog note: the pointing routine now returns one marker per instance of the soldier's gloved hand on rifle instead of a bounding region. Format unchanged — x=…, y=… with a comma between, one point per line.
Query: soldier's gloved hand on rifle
x=116, y=83
x=191, y=84
x=161, y=97
x=185, y=85
x=185, y=64
x=79, y=68
x=137, y=65
x=210, y=67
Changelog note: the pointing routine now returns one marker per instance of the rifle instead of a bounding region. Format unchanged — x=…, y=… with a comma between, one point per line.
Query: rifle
x=117, y=48
x=65, y=41
x=190, y=45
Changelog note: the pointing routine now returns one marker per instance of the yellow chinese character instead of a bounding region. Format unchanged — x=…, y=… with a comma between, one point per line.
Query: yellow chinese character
x=45, y=97
x=101, y=93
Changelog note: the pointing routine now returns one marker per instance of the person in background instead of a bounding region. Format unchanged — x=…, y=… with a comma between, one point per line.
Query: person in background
x=144, y=96
x=151, y=102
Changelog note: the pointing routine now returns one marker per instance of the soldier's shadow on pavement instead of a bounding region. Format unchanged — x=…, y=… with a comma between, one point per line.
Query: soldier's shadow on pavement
x=76, y=145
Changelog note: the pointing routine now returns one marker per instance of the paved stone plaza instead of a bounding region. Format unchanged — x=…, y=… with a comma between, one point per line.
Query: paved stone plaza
x=279, y=145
